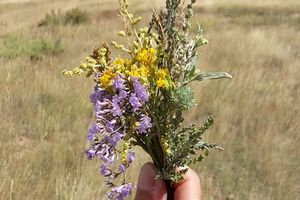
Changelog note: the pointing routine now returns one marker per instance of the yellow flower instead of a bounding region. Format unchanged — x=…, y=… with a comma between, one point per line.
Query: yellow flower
x=144, y=72
x=162, y=83
x=124, y=157
x=124, y=153
x=162, y=73
x=107, y=78
x=127, y=62
x=134, y=71
x=119, y=65
x=147, y=57
x=166, y=146
x=119, y=62
x=163, y=78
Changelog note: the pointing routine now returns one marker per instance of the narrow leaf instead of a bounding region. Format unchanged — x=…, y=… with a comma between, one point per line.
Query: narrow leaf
x=212, y=75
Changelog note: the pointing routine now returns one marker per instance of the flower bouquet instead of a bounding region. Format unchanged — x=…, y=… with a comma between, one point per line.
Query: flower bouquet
x=139, y=97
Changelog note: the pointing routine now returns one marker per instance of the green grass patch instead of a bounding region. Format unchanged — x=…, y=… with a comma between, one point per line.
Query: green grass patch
x=74, y=17
x=13, y=46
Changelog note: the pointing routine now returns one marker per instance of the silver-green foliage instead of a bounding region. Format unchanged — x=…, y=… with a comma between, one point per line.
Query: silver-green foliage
x=178, y=47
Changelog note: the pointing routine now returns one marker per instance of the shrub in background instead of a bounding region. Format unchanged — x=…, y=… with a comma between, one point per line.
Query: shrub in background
x=13, y=46
x=42, y=47
x=51, y=19
x=74, y=17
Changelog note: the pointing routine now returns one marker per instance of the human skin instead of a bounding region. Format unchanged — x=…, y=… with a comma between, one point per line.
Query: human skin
x=151, y=188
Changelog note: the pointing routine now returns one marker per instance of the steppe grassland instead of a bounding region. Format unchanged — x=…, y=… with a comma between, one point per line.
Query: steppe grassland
x=44, y=116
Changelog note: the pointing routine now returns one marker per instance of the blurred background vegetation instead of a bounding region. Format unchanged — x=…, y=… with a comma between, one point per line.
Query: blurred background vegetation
x=44, y=117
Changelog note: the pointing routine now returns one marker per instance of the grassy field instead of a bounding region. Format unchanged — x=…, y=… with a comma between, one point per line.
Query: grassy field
x=44, y=117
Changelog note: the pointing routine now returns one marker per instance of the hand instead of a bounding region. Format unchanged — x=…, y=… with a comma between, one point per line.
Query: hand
x=149, y=188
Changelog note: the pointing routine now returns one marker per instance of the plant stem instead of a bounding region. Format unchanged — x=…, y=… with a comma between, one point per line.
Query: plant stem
x=170, y=190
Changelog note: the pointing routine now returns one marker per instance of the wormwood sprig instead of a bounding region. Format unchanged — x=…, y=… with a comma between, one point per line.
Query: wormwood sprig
x=139, y=99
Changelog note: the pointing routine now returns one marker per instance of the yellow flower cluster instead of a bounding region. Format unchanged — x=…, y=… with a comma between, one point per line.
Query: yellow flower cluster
x=139, y=72
x=124, y=153
x=163, y=78
x=166, y=146
x=141, y=66
x=106, y=79
x=120, y=65
x=147, y=57
x=87, y=65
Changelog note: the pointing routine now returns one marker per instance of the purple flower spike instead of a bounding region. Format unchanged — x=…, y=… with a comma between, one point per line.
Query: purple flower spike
x=134, y=101
x=121, y=192
x=145, y=124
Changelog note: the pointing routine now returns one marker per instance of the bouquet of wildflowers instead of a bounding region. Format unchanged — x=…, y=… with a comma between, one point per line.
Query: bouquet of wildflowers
x=139, y=98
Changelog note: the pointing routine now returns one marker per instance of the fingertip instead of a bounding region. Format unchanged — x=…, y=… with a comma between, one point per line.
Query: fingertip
x=189, y=188
x=149, y=187
x=147, y=176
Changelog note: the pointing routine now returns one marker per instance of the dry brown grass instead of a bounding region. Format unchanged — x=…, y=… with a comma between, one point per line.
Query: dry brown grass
x=44, y=117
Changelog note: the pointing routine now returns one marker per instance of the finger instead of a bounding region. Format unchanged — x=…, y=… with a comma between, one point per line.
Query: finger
x=148, y=187
x=189, y=188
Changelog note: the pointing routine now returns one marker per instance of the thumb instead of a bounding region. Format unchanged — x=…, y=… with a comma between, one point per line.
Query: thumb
x=148, y=187
x=189, y=188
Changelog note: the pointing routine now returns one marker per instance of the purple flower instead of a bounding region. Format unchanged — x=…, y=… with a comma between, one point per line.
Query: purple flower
x=109, y=108
x=121, y=192
x=122, y=168
x=116, y=110
x=144, y=124
x=90, y=153
x=101, y=108
x=93, y=131
x=112, y=140
x=110, y=125
x=119, y=83
x=103, y=151
x=104, y=170
x=98, y=95
x=134, y=101
x=116, y=99
x=107, y=154
x=130, y=157
x=108, y=140
x=117, y=136
x=140, y=90
x=122, y=94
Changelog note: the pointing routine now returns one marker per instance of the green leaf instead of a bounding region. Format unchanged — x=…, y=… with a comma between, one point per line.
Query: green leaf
x=193, y=63
x=212, y=75
x=191, y=68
